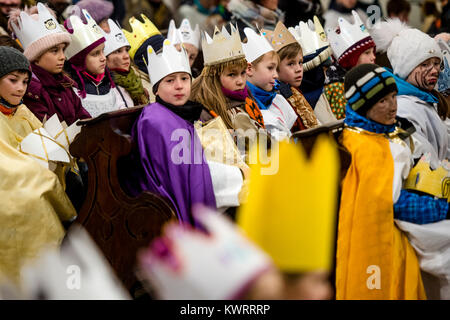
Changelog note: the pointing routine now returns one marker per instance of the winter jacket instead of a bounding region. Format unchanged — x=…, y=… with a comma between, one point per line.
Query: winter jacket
x=48, y=94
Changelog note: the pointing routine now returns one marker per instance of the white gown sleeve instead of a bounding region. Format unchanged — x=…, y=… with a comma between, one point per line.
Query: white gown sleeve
x=227, y=183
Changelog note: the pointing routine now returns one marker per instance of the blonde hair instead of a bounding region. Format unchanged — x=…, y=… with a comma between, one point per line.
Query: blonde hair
x=207, y=88
x=272, y=54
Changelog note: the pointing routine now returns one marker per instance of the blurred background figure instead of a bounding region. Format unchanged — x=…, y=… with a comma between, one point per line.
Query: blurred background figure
x=399, y=9
x=100, y=10
x=300, y=10
x=342, y=8
x=5, y=7
x=157, y=11
x=59, y=7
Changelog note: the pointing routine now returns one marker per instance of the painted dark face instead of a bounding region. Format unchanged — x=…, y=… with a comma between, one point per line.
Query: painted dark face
x=426, y=74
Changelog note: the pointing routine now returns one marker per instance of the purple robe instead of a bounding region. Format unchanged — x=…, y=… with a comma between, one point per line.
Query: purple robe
x=184, y=184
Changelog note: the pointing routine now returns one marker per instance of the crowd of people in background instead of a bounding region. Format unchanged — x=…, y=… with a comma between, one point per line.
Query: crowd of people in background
x=257, y=72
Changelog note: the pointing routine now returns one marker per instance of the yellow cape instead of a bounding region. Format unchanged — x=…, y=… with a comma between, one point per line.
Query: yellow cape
x=33, y=201
x=374, y=258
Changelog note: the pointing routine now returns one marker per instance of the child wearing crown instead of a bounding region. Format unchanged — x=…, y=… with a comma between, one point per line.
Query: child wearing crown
x=290, y=73
x=141, y=36
x=279, y=117
x=33, y=200
x=170, y=159
x=87, y=65
x=119, y=62
x=222, y=87
x=188, y=37
x=50, y=90
x=355, y=48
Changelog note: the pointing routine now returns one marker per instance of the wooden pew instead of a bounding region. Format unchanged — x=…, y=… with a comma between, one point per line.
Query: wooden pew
x=119, y=224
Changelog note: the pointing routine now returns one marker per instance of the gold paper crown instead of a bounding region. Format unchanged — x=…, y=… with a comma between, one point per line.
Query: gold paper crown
x=280, y=37
x=297, y=225
x=140, y=32
x=435, y=182
x=222, y=47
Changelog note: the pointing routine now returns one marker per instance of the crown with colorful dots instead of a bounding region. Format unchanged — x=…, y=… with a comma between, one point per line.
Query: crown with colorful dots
x=280, y=37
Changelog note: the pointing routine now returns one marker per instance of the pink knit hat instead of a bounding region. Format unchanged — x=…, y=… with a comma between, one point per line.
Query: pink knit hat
x=34, y=49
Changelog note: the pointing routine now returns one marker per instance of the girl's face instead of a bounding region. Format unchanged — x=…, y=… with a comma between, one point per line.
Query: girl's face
x=291, y=70
x=192, y=52
x=367, y=56
x=264, y=74
x=119, y=59
x=425, y=75
x=13, y=86
x=233, y=79
x=96, y=60
x=385, y=110
x=175, y=88
x=53, y=59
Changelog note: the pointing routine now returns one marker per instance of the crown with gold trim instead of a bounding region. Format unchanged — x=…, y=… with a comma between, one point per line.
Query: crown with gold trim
x=256, y=45
x=280, y=37
x=169, y=61
x=313, y=40
x=140, y=32
x=185, y=33
x=187, y=263
x=115, y=39
x=222, y=47
x=82, y=34
x=434, y=182
x=348, y=35
x=299, y=238
x=30, y=30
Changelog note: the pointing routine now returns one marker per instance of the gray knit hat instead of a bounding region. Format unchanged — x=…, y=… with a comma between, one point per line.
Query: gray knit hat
x=11, y=60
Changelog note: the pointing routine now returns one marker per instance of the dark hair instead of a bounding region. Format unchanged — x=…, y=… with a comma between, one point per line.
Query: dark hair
x=7, y=41
x=395, y=7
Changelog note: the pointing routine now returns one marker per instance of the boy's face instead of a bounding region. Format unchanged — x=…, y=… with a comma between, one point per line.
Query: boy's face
x=291, y=70
x=367, y=56
x=175, y=88
x=385, y=110
x=13, y=86
x=53, y=59
x=264, y=74
x=233, y=79
x=96, y=60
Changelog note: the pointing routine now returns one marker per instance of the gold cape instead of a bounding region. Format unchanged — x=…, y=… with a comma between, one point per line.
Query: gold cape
x=33, y=201
x=374, y=258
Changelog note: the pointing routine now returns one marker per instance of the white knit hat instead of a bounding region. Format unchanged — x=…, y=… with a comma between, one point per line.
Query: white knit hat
x=406, y=47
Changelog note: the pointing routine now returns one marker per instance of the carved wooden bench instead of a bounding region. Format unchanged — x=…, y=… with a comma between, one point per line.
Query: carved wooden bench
x=118, y=223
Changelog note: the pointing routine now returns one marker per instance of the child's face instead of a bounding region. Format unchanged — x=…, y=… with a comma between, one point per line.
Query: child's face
x=96, y=60
x=367, y=56
x=175, y=88
x=264, y=74
x=291, y=70
x=119, y=59
x=53, y=59
x=13, y=86
x=233, y=79
x=192, y=52
x=426, y=74
x=385, y=110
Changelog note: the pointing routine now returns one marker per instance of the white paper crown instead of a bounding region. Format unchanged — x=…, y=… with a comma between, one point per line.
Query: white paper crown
x=78, y=271
x=310, y=36
x=50, y=144
x=189, y=264
x=169, y=61
x=30, y=29
x=347, y=34
x=222, y=47
x=185, y=33
x=115, y=39
x=256, y=45
x=83, y=35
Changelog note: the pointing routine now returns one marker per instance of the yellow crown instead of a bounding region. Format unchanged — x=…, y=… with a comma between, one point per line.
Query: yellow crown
x=280, y=37
x=291, y=214
x=140, y=32
x=435, y=182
